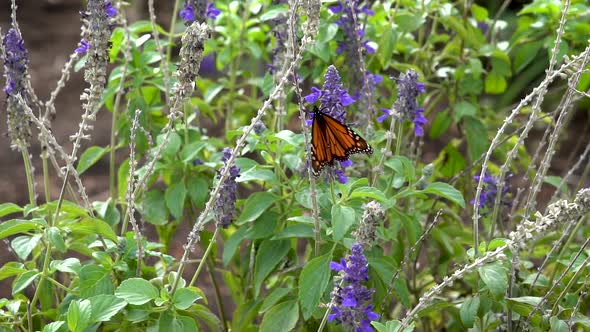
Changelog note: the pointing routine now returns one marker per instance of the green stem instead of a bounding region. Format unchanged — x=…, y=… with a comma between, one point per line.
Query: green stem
x=46, y=178
x=201, y=264
x=171, y=33
x=398, y=138
x=29, y=174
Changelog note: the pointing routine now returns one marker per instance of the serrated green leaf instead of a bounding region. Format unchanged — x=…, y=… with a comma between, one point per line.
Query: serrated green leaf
x=273, y=297
x=16, y=226
x=342, y=218
x=175, y=196
x=255, y=206
x=79, y=313
x=558, y=325
x=9, y=208
x=313, y=281
x=104, y=307
x=24, y=245
x=282, y=317
x=90, y=157
x=68, y=265
x=495, y=277
x=24, y=280
x=54, y=326
x=447, y=191
x=154, y=208
x=95, y=280
x=93, y=226
x=468, y=311
x=10, y=269
x=477, y=136
x=269, y=255
x=57, y=239
x=136, y=291
x=185, y=297
x=495, y=83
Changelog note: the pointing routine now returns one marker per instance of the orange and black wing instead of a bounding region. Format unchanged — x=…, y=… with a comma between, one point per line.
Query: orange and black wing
x=332, y=140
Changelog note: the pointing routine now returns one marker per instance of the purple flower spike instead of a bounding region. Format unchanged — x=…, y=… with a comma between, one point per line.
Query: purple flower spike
x=406, y=105
x=346, y=163
x=225, y=204
x=352, y=308
x=83, y=48
x=187, y=13
x=212, y=12
x=487, y=197
x=110, y=9
x=386, y=113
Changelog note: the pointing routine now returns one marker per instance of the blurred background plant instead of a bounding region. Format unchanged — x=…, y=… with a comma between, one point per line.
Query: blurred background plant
x=470, y=214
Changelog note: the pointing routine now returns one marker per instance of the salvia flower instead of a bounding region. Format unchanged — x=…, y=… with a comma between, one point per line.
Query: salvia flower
x=332, y=96
x=16, y=61
x=349, y=24
x=224, y=206
x=488, y=194
x=110, y=10
x=406, y=106
x=351, y=299
x=212, y=12
x=83, y=47
x=187, y=13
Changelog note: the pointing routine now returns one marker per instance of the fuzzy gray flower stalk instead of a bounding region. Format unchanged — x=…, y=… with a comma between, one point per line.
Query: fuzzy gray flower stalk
x=373, y=216
x=560, y=212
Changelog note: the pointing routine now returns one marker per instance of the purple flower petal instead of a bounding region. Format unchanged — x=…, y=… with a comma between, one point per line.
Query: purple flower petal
x=187, y=13
x=83, y=48
x=314, y=95
x=346, y=163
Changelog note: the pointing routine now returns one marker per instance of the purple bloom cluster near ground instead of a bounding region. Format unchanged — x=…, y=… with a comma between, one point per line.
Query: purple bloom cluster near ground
x=352, y=300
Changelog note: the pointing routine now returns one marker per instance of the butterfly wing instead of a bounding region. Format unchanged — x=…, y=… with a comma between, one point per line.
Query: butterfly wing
x=332, y=140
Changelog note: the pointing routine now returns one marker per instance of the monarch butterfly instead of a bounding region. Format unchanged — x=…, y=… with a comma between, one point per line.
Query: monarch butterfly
x=332, y=140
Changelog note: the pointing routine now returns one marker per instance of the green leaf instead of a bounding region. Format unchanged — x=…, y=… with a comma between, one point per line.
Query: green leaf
x=477, y=137
x=269, y=255
x=68, y=265
x=191, y=151
x=185, y=297
x=409, y=22
x=495, y=277
x=525, y=54
x=23, y=245
x=555, y=181
x=342, y=218
x=136, y=291
x=273, y=297
x=95, y=280
x=90, y=157
x=255, y=174
x=524, y=306
x=558, y=325
x=198, y=190
x=295, y=231
x=273, y=12
x=57, y=239
x=495, y=83
x=441, y=123
x=54, y=326
x=255, y=206
x=313, y=281
x=8, y=208
x=232, y=244
x=173, y=146
x=154, y=208
x=205, y=315
x=10, y=269
x=479, y=13
x=462, y=109
x=93, y=226
x=447, y=191
x=175, y=196
x=16, y=226
x=123, y=179
x=468, y=311
x=282, y=317
x=24, y=280
x=79, y=313
x=104, y=307
x=368, y=192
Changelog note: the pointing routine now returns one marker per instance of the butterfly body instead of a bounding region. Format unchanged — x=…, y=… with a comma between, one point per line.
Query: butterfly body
x=332, y=140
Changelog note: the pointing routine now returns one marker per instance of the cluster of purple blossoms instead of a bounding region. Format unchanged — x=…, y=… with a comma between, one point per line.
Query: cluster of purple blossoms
x=332, y=96
x=487, y=198
x=349, y=23
x=352, y=307
x=190, y=12
x=406, y=106
x=16, y=61
x=225, y=204
x=100, y=13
